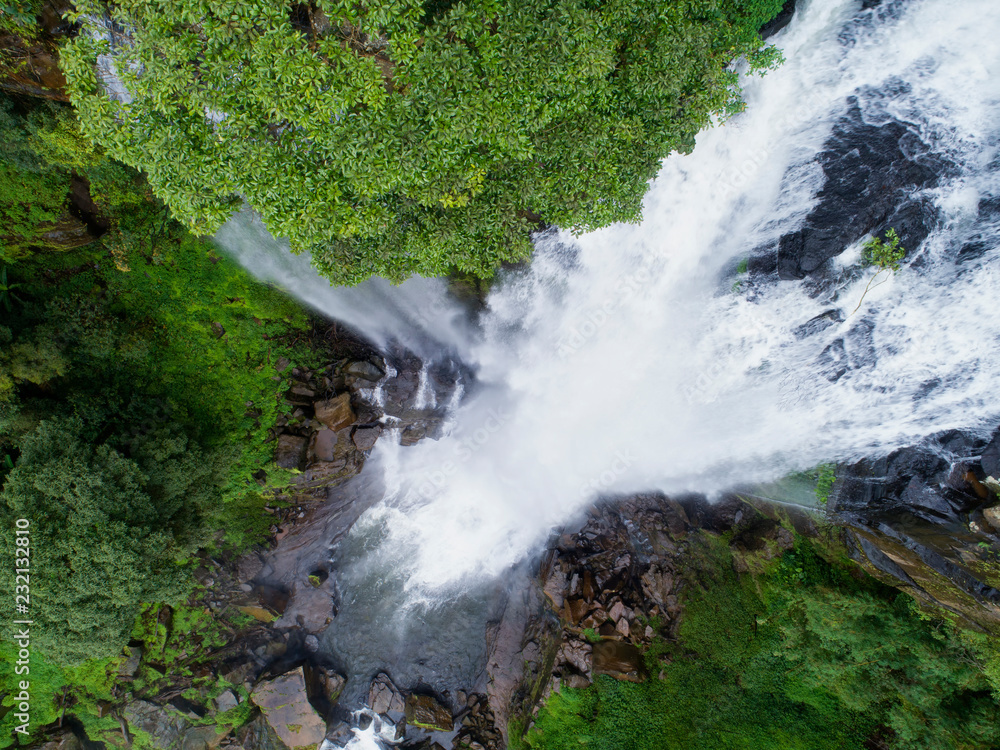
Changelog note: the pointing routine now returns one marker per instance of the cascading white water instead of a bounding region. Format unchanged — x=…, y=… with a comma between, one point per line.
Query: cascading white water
x=418, y=311
x=622, y=360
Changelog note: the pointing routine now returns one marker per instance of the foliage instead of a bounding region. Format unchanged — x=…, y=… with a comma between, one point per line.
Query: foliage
x=826, y=476
x=804, y=656
x=7, y=296
x=109, y=524
x=409, y=137
x=886, y=255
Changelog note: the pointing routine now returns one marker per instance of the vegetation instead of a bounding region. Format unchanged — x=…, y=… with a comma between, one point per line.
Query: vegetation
x=410, y=137
x=886, y=255
x=808, y=654
x=136, y=393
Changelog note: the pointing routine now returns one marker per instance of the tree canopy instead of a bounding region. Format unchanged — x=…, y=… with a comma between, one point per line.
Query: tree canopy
x=407, y=137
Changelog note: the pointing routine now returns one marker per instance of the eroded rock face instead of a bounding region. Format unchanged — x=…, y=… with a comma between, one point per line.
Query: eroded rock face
x=917, y=518
x=286, y=707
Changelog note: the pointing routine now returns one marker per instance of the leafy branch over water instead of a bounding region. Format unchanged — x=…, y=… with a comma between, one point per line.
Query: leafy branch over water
x=886, y=255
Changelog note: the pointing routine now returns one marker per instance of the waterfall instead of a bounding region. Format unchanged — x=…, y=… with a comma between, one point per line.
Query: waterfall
x=644, y=357
x=638, y=357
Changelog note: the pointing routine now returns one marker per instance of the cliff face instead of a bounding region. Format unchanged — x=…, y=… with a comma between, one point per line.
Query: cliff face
x=925, y=520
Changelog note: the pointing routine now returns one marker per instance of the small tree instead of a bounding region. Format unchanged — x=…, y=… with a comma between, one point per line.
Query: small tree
x=886, y=256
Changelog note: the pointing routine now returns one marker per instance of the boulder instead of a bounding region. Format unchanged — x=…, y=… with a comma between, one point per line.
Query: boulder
x=324, y=681
x=226, y=701
x=166, y=729
x=365, y=437
x=290, y=451
x=287, y=709
x=425, y=712
x=384, y=697
x=577, y=654
x=620, y=660
x=336, y=413
x=201, y=738
x=780, y=21
x=364, y=370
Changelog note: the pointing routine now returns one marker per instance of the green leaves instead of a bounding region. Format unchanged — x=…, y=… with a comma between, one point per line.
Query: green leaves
x=356, y=137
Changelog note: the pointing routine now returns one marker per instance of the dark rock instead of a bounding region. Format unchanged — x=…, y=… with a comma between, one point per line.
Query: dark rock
x=780, y=21
x=871, y=172
x=425, y=712
x=324, y=682
x=990, y=460
x=364, y=370
x=290, y=451
x=67, y=741
x=620, y=660
x=820, y=323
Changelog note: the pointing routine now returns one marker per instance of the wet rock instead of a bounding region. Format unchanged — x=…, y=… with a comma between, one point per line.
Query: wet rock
x=577, y=654
x=620, y=660
x=290, y=451
x=555, y=586
x=819, y=323
x=384, y=697
x=424, y=711
x=364, y=370
x=287, y=709
x=870, y=171
x=335, y=413
x=990, y=460
x=365, y=437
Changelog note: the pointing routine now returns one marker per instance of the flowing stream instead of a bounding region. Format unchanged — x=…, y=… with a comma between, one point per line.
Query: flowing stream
x=643, y=357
